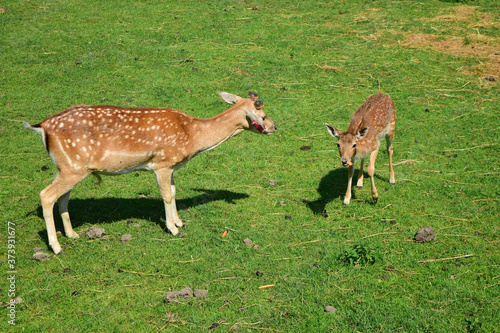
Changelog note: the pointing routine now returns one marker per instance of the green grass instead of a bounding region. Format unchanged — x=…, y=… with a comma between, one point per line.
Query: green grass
x=311, y=62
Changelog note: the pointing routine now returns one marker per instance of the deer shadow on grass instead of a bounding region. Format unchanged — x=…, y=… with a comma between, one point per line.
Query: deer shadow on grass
x=333, y=186
x=109, y=210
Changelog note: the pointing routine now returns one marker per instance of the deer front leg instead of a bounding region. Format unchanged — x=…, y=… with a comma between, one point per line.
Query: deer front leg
x=164, y=179
x=177, y=220
x=347, y=197
x=63, y=210
x=360, y=175
x=371, y=173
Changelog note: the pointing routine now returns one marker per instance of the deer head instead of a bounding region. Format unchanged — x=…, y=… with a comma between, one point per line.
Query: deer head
x=347, y=142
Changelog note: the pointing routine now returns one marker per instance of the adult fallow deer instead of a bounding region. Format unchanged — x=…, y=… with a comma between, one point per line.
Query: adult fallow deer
x=110, y=140
x=374, y=121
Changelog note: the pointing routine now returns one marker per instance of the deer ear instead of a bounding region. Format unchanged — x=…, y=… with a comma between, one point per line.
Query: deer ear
x=361, y=133
x=230, y=98
x=333, y=131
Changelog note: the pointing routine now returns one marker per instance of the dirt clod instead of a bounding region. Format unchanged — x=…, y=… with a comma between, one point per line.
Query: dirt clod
x=213, y=326
x=248, y=242
x=125, y=238
x=490, y=78
x=95, y=232
x=187, y=292
x=305, y=147
x=425, y=234
x=184, y=293
x=273, y=182
x=200, y=293
x=330, y=309
x=41, y=256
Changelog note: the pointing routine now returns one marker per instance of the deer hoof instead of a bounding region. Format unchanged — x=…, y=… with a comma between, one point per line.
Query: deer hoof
x=375, y=200
x=56, y=248
x=72, y=235
x=359, y=186
x=394, y=183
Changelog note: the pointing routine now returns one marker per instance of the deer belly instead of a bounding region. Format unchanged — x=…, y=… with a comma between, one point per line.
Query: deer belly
x=112, y=163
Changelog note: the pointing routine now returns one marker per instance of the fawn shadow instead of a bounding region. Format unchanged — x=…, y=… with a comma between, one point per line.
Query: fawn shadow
x=334, y=185
x=108, y=210
x=331, y=186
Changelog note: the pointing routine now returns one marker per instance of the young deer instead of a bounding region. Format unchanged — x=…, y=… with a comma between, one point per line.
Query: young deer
x=113, y=140
x=374, y=120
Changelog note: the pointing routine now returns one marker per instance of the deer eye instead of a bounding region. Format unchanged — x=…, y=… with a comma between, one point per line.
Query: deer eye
x=354, y=146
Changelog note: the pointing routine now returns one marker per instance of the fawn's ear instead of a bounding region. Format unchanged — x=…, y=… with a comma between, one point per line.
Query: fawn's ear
x=333, y=131
x=361, y=133
x=230, y=98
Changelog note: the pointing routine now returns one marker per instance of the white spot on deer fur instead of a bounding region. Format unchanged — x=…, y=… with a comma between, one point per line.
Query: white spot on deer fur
x=77, y=157
x=73, y=144
x=61, y=125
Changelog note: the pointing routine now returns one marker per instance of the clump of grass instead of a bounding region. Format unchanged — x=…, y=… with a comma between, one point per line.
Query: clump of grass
x=359, y=254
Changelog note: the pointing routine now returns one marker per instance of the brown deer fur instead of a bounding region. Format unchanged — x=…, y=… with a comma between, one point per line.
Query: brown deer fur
x=114, y=140
x=374, y=121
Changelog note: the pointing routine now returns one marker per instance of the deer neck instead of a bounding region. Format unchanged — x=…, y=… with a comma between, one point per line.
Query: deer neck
x=206, y=134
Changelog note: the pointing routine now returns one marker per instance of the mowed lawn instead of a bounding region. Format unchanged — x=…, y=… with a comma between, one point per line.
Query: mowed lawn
x=310, y=62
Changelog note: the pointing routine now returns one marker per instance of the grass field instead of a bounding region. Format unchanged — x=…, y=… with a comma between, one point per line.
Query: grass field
x=311, y=62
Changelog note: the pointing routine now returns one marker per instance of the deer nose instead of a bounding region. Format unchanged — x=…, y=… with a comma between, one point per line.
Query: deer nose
x=344, y=162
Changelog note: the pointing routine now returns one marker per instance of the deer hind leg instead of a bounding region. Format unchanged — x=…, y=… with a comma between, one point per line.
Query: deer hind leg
x=63, y=210
x=60, y=187
x=164, y=179
x=360, y=175
x=347, y=197
x=388, y=139
x=371, y=173
x=177, y=220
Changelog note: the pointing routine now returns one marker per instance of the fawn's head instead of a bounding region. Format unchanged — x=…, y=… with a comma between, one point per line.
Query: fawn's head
x=256, y=119
x=347, y=142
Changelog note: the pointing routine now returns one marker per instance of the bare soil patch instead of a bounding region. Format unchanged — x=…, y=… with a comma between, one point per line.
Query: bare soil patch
x=485, y=48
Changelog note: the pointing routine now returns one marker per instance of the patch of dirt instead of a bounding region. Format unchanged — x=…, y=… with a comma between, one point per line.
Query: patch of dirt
x=125, y=238
x=473, y=45
x=95, y=232
x=173, y=296
x=425, y=234
x=41, y=256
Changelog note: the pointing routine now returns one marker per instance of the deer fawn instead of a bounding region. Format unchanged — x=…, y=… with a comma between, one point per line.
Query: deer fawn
x=374, y=120
x=110, y=140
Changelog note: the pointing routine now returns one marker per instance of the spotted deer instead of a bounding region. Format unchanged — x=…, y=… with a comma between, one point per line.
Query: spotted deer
x=111, y=140
x=374, y=121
